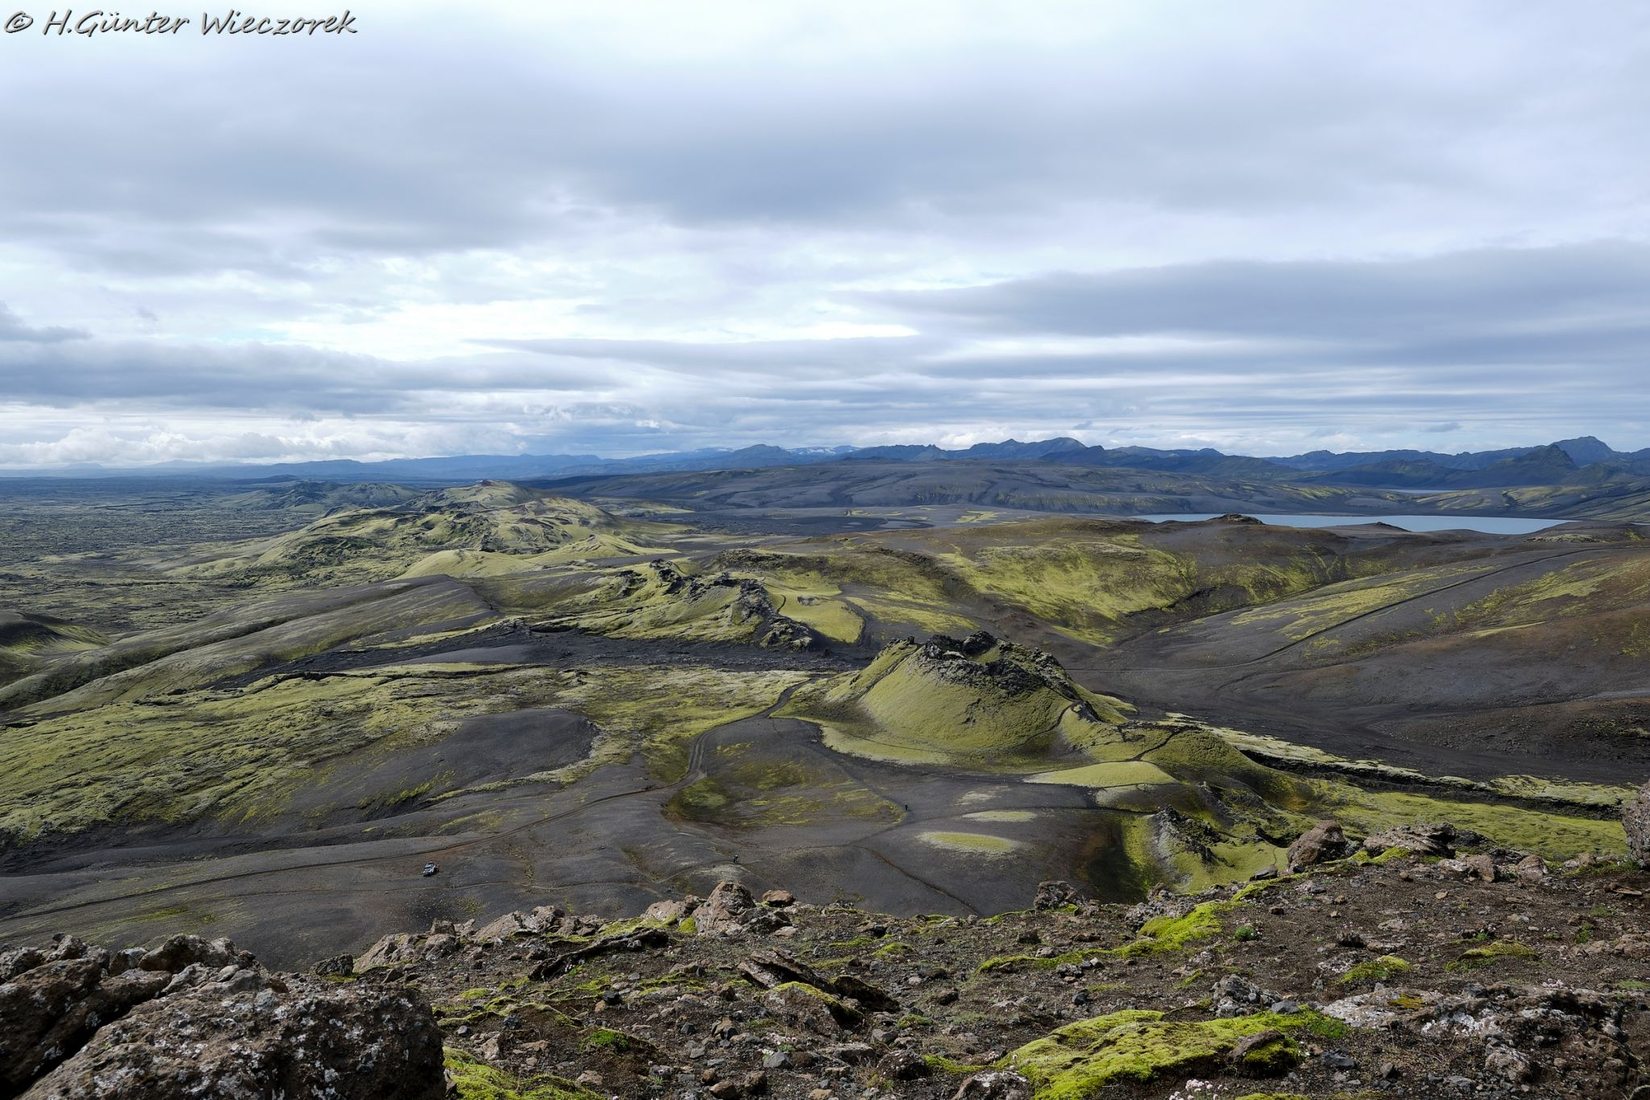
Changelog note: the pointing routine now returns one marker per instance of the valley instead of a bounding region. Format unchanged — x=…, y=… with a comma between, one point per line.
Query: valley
x=259, y=709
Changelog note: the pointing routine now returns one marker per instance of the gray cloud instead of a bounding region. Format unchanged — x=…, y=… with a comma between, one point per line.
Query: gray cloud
x=843, y=358
x=415, y=142
x=1515, y=292
x=597, y=227
x=12, y=329
x=259, y=377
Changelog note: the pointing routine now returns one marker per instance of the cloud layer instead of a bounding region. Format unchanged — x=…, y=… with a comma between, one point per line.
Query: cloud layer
x=624, y=228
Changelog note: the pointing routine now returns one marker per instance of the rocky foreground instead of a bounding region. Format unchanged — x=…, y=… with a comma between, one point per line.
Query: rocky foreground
x=1412, y=964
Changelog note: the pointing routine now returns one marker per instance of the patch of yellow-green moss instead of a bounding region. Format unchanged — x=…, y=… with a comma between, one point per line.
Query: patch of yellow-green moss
x=926, y=618
x=610, y=1039
x=819, y=608
x=1003, y=816
x=1380, y=969
x=1488, y=954
x=1160, y=935
x=475, y=1080
x=978, y=844
x=659, y=710
x=1128, y=773
x=1554, y=835
x=440, y=532
x=1167, y=933
x=1138, y=1046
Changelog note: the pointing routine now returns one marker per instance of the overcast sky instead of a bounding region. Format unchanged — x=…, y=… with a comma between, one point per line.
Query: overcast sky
x=622, y=227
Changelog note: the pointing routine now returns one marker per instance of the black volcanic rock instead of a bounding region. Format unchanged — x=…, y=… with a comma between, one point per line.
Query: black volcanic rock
x=198, y=1019
x=1350, y=965
x=1635, y=818
x=242, y=1039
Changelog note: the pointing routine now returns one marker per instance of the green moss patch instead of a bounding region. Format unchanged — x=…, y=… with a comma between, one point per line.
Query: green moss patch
x=606, y=1038
x=1474, y=958
x=1134, y=1045
x=1160, y=935
x=1553, y=835
x=475, y=1080
x=1128, y=773
x=978, y=844
x=1165, y=934
x=1381, y=969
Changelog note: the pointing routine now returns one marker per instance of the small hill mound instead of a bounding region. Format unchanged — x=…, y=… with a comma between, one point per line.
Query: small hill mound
x=497, y=494
x=482, y=529
x=659, y=600
x=28, y=640
x=319, y=496
x=1187, y=806
x=975, y=697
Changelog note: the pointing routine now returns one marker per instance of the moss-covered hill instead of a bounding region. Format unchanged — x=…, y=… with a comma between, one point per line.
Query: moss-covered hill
x=975, y=698
x=659, y=600
x=480, y=529
x=28, y=641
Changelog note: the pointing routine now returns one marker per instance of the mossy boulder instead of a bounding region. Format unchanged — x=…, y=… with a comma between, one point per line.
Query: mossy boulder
x=810, y=1007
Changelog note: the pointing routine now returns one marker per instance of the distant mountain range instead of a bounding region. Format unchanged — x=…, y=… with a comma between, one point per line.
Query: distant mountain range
x=1568, y=461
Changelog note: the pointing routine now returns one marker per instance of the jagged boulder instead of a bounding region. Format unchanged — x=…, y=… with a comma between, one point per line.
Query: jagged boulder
x=199, y=1019
x=669, y=911
x=403, y=948
x=213, y=1043
x=52, y=1009
x=1635, y=818
x=1425, y=839
x=721, y=912
x=1056, y=895
x=731, y=909
x=994, y=1084
x=1319, y=844
x=544, y=918
x=13, y=963
x=180, y=952
x=903, y=1065
x=810, y=1007
x=769, y=969
x=337, y=966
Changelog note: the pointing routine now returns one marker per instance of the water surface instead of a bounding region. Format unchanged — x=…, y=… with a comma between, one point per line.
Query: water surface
x=1489, y=525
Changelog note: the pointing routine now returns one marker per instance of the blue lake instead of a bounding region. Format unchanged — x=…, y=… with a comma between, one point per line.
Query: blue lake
x=1490, y=525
